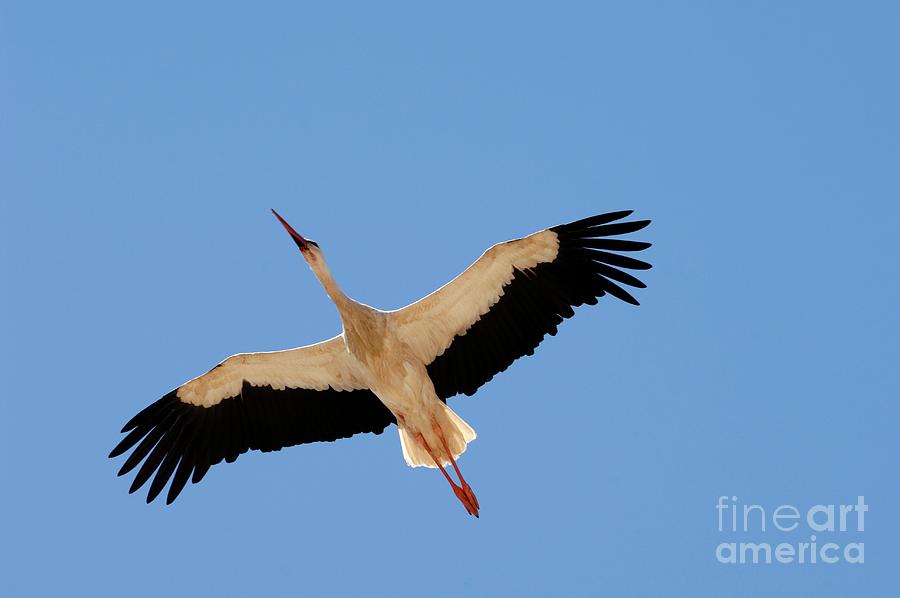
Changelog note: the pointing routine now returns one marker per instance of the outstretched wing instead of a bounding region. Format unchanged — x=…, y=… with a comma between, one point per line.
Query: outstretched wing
x=259, y=401
x=517, y=292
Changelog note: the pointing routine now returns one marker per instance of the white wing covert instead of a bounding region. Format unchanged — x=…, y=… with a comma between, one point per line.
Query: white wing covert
x=253, y=401
x=502, y=306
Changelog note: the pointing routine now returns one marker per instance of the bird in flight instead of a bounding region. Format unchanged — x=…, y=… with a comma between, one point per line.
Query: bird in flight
x=387, y=367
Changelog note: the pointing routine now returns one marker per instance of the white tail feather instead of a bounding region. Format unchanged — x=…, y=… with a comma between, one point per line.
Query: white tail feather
x=456, y=431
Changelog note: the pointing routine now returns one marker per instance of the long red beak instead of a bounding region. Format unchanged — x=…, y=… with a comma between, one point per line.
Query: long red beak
x=300, y=241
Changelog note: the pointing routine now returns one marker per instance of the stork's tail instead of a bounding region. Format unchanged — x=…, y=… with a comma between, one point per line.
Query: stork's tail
x=456, y=431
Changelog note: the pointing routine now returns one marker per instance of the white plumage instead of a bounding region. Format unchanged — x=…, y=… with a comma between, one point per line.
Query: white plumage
x=386, y=367
x=317, y=367
x=430, y=324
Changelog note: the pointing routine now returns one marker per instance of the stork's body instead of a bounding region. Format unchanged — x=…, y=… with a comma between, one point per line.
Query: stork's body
x=431, y=434
x=386, y=366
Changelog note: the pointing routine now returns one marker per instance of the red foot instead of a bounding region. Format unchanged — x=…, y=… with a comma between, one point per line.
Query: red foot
x=467, y=499
x=463, y=493
x=471, y=495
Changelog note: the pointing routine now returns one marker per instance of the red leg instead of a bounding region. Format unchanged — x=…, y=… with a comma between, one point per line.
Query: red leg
x=461, y=494
x=466, y=488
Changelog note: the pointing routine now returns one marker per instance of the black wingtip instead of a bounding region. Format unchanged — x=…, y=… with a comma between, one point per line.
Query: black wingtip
x=597, y=220
x=625, y=296
x=642, y=223
x=602, y=225
x=149, y=411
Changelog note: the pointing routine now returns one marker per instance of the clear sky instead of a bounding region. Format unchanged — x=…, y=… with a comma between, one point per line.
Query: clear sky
x=142, y=147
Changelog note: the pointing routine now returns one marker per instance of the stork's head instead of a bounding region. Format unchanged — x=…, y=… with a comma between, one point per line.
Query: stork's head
x=308, y=247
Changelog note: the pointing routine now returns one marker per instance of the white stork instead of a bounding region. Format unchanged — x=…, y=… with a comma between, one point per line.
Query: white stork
x=386, y=367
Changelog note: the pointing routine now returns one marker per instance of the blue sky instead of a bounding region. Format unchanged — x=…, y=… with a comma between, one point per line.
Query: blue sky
x=142, y=147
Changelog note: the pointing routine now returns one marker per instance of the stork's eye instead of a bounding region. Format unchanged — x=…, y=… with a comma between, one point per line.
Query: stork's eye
x=313, y=243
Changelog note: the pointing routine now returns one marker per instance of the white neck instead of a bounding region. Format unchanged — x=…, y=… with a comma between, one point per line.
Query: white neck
x=320, y=269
